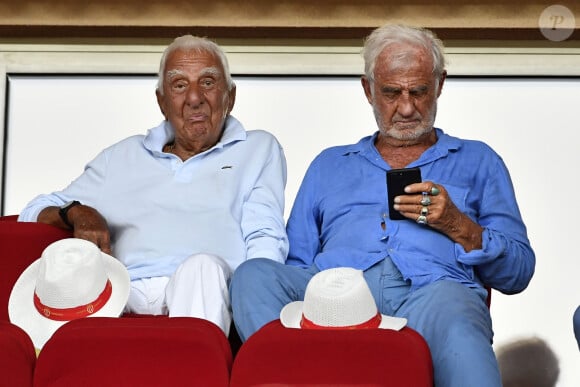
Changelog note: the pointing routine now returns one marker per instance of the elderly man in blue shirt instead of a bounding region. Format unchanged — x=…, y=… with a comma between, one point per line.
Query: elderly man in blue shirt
x=185, y=204
x=462, y=229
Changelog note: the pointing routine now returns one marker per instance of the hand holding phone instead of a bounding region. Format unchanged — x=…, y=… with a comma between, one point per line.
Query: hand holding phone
x=397, y=180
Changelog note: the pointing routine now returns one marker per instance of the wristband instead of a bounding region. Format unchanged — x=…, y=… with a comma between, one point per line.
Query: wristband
x=63, y=211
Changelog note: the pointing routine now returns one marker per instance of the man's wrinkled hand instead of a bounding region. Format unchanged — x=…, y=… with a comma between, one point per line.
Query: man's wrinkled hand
x=89, y=224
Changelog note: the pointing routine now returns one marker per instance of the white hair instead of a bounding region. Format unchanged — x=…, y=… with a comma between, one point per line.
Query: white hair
x=194, y=43
x=387, y=35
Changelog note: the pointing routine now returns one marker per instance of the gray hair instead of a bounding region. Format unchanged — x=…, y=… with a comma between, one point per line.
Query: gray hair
x=387, y=35
x=198, y=44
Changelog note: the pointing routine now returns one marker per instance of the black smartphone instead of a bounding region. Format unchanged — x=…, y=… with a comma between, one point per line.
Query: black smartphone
x=397, y=180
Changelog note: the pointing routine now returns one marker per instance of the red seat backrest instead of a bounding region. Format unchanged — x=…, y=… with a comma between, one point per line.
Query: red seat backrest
x=17, y=356
x=275, y=355
x=106, y=351
x=21, y=244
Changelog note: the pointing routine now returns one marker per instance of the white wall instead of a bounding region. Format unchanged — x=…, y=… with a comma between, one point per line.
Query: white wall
x=56, y=124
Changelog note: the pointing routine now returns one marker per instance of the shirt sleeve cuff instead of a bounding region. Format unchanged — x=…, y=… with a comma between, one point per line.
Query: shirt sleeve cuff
x=493, y=247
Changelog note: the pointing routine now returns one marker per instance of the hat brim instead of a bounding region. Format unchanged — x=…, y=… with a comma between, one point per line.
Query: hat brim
x=22, y=312
x=291, y=315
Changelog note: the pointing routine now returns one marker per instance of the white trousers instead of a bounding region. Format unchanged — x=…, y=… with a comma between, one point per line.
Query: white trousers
x=198, y=288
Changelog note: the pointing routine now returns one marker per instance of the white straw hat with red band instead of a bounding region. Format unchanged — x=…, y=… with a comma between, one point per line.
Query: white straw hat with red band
x=72, y=279
x=338, y=298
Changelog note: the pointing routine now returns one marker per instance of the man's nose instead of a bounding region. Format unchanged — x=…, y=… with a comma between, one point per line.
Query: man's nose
x=195, y=95
x=406, y=104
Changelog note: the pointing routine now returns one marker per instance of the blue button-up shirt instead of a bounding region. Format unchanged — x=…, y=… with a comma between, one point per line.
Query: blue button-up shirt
x=228, y=200
x=342, y=202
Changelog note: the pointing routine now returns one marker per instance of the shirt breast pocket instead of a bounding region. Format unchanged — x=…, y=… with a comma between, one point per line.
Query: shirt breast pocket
x=459, y=195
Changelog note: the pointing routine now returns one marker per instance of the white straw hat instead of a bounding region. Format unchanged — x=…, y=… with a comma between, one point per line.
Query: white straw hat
x=72, y=279
x=338, y=298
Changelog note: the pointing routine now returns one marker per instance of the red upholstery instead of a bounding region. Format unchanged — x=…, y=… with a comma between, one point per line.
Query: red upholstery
x=104, y=351
x=9, y=218
x=233, y=338
x=17, y=356
x=275, y=355
x=20, y=245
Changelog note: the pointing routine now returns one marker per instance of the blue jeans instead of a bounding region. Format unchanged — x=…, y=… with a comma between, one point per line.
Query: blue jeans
x=453, y=319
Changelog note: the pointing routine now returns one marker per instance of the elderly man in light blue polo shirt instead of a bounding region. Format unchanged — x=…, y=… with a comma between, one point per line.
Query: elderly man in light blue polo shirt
x=187, y=203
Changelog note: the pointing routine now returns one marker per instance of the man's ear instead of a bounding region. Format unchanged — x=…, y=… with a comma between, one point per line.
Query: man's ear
x=231, y=98
x=441, y=82
x=160, y=102
x=367, y=87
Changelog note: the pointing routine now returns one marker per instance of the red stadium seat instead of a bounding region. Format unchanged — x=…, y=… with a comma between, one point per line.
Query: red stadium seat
x=105, y=351
x=20, y=245
x=17, y=356
x=276, y=355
